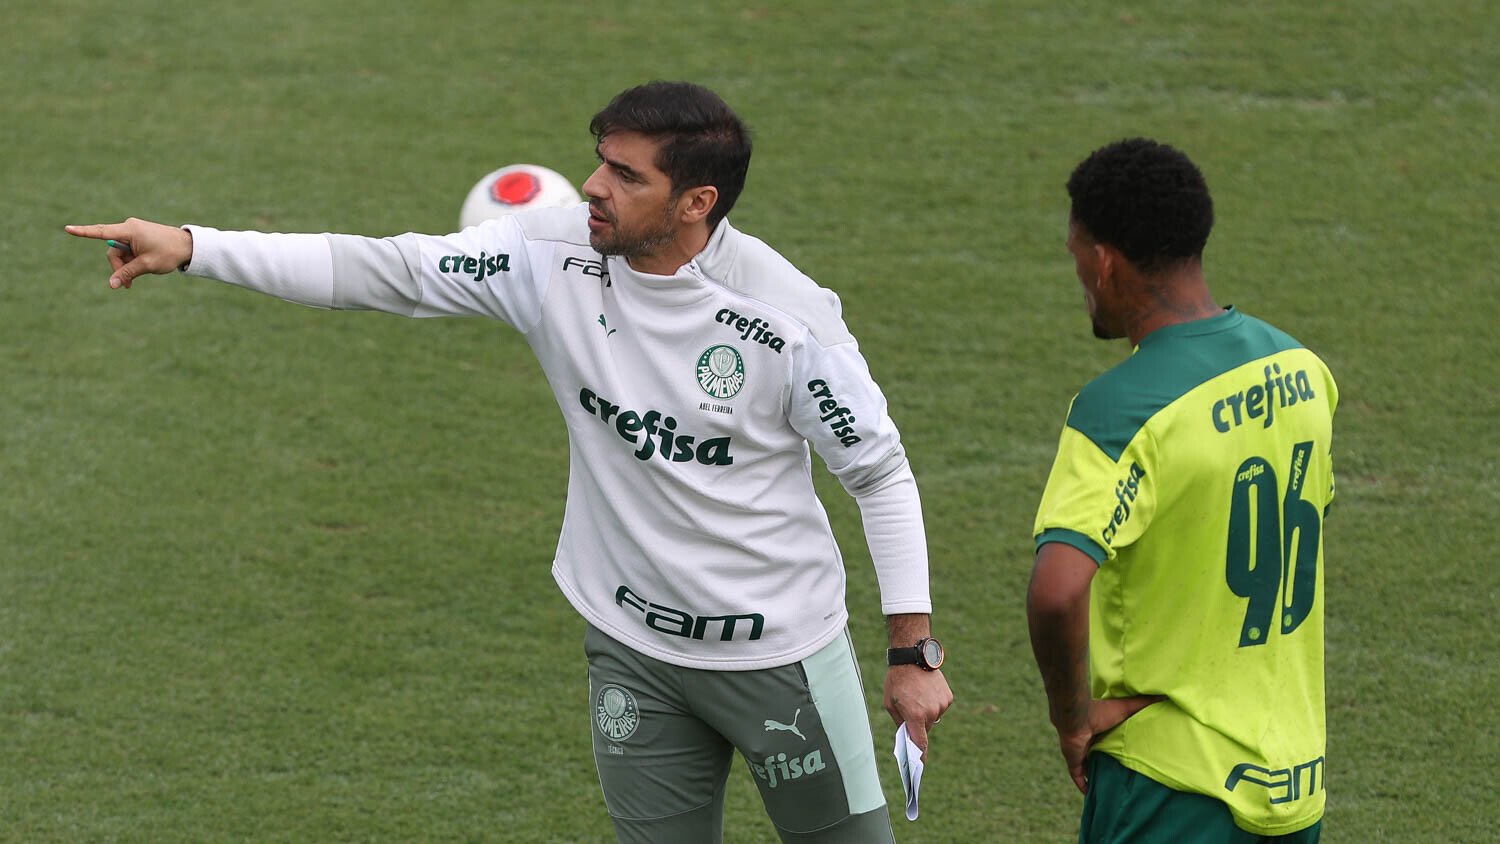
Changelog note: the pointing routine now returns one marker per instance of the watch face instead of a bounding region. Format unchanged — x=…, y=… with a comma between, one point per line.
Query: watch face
x=932, y=653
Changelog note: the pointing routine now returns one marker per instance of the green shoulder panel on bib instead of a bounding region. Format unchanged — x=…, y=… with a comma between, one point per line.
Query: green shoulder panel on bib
x=1086, y=544
x=1112, y=409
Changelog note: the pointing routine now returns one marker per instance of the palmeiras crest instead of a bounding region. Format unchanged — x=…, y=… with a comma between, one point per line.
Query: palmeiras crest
x=721, y=371
x=615, y=713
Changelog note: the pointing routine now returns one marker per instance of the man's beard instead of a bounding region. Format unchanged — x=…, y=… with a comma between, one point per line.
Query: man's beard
x=635, y=244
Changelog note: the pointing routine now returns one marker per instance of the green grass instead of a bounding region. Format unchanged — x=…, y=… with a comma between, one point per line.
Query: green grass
x=271, y=574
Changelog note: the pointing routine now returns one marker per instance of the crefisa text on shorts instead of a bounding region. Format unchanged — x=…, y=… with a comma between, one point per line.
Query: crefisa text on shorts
x=782, y=768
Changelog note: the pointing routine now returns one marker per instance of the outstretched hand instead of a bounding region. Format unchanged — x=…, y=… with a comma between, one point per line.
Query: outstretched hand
x=138, y=247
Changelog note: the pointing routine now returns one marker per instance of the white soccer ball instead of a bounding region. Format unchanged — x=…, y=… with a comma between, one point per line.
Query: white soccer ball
x=518, y=187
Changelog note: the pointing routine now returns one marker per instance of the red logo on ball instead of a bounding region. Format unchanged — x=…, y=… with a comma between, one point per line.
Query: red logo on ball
x=516, y=188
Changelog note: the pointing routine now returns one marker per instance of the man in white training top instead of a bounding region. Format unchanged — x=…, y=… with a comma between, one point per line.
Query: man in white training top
x=693, y=366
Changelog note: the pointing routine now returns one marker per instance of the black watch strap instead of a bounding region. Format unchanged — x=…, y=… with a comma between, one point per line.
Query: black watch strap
x=903, y=656
x=926, y=653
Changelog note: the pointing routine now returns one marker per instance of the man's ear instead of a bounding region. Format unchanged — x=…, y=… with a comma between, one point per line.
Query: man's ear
x=1107, y=262
x=695, y=203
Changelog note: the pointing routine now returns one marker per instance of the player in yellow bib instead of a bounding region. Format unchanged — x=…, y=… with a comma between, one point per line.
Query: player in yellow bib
x=1176, y=605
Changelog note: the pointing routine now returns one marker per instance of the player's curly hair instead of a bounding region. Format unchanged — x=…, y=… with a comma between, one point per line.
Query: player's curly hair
x=1146, y=199
x=706, y=143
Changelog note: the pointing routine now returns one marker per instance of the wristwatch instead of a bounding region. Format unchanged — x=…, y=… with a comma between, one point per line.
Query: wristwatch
x=926, y=653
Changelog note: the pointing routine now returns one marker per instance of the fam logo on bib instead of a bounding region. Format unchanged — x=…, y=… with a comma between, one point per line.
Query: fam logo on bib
x=721, y=371
x=615, y=712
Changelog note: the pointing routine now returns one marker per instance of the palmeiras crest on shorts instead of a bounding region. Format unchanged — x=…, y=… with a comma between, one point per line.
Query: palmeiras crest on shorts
x=721, y=371
x=615, y=713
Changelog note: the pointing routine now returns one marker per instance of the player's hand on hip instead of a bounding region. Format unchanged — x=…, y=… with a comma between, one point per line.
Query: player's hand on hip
x=917, y=698
x=1104, y=715
x=1075, y=749
x=137, y=247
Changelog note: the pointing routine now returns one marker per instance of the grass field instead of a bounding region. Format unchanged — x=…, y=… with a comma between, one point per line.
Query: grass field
x=276, y=575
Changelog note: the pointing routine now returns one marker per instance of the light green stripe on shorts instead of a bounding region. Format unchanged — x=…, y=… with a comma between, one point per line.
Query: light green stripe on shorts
x=832, y=673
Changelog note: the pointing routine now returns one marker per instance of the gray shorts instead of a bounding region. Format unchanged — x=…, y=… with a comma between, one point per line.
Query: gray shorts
x=664, y=738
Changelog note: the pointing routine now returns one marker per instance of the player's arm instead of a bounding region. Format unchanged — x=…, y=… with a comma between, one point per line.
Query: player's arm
x=837, y=406
x=481, y=271
x=1057, y=612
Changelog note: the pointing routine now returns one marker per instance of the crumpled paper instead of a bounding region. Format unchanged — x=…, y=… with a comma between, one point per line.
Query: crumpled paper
x=909, y=758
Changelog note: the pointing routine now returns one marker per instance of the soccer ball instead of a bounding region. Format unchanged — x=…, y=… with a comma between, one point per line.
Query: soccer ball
x=518, y=187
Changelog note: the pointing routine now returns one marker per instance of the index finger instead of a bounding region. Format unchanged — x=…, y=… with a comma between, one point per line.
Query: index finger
x=98, y=231
x=917, y=732
x=1080, y=777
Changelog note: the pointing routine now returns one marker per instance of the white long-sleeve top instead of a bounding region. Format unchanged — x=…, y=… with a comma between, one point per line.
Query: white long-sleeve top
x=692, y=531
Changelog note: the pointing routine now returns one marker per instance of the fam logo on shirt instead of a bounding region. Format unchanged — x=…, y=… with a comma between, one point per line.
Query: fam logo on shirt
x=721, y=371
x=587, y=267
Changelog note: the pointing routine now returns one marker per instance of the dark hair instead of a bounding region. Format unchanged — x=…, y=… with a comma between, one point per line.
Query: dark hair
x=1146, y=199
x=705, y=142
